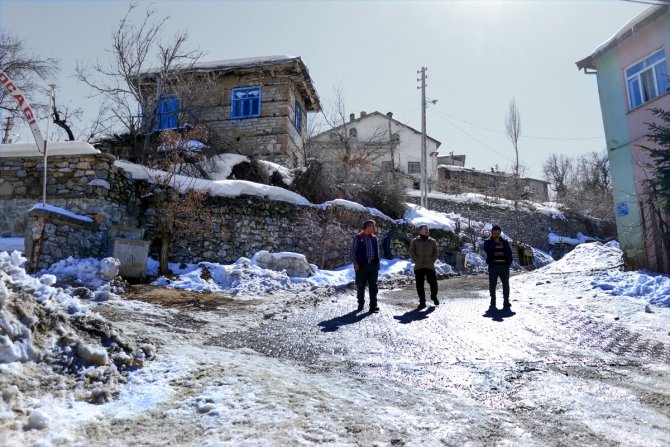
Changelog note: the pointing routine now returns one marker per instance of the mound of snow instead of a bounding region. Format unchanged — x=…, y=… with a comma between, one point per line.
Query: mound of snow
x=587, y=257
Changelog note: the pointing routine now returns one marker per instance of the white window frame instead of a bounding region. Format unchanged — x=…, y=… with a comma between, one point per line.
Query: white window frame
x=414, y=167
x=645, y=73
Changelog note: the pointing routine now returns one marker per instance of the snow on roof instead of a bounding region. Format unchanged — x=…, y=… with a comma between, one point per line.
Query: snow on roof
x=629, y=29
x=244, y=62
x=53, y=148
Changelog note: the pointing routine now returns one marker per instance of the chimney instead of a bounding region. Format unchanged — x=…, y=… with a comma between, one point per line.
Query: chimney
x=352, y=116
x=390, y=114
x=363, y=114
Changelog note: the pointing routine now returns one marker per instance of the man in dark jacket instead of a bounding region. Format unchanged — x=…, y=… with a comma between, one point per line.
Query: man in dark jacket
x=365, y=255
x=499, y=258
x=424, y=252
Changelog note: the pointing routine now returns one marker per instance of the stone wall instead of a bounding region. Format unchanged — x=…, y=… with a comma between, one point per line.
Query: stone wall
x=89, y=185
x=526, y=226
x=51, y=237
x=271, y=136
x=242, y=226
x=493, y=184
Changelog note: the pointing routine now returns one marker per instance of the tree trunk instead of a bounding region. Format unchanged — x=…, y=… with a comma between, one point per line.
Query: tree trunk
x=165, y=251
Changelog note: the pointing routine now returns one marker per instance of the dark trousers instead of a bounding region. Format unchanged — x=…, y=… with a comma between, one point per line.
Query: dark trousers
x=498, y=271
x=428, y=274
x=367, y=275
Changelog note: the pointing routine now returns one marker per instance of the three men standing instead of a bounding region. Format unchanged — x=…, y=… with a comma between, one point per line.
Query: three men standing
x=424, y=252
x=365, y=254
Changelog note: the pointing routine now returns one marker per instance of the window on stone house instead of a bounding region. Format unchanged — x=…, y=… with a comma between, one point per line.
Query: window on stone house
x=647, y=79
x=298, y=117
x=167, y=115
x=395, y=138
x=353, y=133
x=245, y=102
x=414, y=167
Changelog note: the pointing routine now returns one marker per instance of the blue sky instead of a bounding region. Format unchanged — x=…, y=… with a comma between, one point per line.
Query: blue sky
x=479, y=54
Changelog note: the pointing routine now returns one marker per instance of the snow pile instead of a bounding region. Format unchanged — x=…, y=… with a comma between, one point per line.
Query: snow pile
x=435, y=220
x=87, y=278
x=555, y=239
x=355, y=206
x=587, y=257
x=652, y=287
x=547, y=208
x=540, y=258
x=44, y=328
x=248, y=277
x=604, y=262
x=222, y=188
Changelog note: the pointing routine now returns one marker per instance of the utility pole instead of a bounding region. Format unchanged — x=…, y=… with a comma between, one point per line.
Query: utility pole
x=8, y=127
x=424, y=175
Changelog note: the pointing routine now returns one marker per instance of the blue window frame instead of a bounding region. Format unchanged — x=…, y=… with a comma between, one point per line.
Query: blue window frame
x=647, y=79
x=167, y=115
x=298, y=117
x=245, y=102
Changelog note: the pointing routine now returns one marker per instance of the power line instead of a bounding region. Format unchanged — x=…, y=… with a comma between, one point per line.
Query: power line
x=471, y=136
x=524, y=136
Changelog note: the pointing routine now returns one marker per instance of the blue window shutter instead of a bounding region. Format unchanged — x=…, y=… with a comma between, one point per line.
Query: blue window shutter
x=168, y=113
x=298, y=117
x=245, y=102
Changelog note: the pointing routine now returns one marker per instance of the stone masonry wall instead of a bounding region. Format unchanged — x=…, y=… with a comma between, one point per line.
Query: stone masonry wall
x=88, y=185
x=242, y=226
x=269, y=135
x=523, y=226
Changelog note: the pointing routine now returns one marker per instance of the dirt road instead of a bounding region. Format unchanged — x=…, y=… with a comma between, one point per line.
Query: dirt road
x=282, y=370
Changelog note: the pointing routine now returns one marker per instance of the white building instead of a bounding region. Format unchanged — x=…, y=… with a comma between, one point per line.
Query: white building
x=395, y=146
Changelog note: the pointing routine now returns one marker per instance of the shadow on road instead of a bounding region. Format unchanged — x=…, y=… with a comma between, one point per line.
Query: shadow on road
x=413, y=315
x=498, y=314
x=334, y=323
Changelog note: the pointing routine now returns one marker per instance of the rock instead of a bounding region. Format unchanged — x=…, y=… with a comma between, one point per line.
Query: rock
x=38, y=420
x=295, y=264
x=93, y=355
x=109, y=268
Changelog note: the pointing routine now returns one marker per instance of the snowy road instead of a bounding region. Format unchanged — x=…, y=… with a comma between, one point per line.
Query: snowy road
x=294, y=371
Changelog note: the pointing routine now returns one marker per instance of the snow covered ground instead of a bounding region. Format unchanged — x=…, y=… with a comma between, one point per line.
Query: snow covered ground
x=64, y=366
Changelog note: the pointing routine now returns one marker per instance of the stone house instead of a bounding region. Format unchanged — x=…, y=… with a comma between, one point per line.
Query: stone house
x=396, y=146
x=632, y=73
x=254, y=106
x=451, y=160
x=453, y=179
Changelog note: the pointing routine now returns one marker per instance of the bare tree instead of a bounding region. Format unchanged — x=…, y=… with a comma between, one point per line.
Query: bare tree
x=582, y=184
x=343, y=147
x=513, y=128
x=558, y=171
x=144, y=69
x=28, y=72
x=181, y=209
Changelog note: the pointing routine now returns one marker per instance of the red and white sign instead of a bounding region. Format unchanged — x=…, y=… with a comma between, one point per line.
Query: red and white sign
x=28, y=114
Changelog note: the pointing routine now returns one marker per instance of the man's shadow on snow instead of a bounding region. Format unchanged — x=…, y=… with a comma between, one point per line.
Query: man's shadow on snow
x=414, y=315
x=349, y=318
x=498, y=314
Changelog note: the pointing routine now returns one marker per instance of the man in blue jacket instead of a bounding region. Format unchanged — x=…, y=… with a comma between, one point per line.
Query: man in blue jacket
x=499, y=258
x=365, y=255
